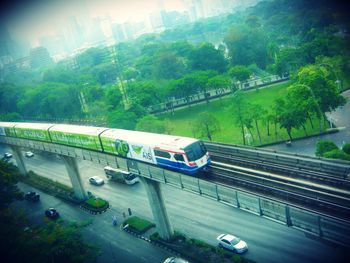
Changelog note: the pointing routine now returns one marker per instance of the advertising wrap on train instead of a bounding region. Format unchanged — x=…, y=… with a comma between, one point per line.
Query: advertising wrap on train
x=141, y=152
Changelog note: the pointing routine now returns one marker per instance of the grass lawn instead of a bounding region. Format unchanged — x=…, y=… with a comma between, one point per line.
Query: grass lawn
x=184, y=119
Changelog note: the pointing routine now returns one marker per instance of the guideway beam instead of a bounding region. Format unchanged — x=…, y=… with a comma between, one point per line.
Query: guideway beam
x=155, y=198
x=19, y=159
x=75, y=178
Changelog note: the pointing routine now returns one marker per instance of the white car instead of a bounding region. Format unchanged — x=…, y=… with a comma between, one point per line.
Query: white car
x=8, y=155
x=131, y=178
x=175, y=260
x=29, y=154
x=232, y=243
x=96, y=180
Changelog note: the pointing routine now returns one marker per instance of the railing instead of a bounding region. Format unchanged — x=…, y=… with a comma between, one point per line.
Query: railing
x=325, y=227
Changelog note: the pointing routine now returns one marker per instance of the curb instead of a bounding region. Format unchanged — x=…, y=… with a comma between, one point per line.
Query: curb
x=158, y=244
x=94, y=212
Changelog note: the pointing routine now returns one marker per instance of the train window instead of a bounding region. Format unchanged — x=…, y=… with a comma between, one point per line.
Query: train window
x=179, y=157
x=162, y=154
x=195, y=151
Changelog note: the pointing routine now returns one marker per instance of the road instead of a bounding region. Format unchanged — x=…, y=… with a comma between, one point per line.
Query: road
x=307, y=146
x=193, y=215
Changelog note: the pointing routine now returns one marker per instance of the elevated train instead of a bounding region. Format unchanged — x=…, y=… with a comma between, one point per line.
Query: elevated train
x=183, y=154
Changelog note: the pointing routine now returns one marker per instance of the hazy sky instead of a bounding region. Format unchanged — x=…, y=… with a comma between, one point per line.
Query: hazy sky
x=28, y=19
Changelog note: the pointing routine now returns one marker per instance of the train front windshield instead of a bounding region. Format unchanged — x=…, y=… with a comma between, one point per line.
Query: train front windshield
x=195, y=151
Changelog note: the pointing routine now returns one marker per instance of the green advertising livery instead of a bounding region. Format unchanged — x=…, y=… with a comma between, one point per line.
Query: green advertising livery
x=77, y=136
x=174, y=152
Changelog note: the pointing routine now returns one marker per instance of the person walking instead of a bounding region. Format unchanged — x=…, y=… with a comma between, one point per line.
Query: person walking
x=114, y=220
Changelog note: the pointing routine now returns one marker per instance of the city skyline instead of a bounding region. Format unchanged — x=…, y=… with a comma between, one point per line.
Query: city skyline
x=36, y=18
x=65, y=27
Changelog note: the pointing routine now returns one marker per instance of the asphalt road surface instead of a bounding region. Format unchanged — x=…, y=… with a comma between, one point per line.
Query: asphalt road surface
x=193, y=215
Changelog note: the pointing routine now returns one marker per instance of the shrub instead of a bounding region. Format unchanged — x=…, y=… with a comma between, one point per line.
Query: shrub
x=154, y=236
x=325, y=146
x=138, y=225
x=346, y=148
x=96, y=202
x=337, y=154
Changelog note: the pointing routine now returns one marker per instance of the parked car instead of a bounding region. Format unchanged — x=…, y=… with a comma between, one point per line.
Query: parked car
x=95, y=180
x=8, y=155
x=29, y=154
x=175, y=260
x=52, y=213
x=232, y=243
x=32, y=196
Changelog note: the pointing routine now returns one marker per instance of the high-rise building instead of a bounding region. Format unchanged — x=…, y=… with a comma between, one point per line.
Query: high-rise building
x=118, y=32
x=39, y=57
x=53, y=43
x=74, y=34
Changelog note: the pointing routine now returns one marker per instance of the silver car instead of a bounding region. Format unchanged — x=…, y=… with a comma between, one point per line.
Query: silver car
x=175, y=260
x=232, y=243
x=96, y=180
x=29, y=154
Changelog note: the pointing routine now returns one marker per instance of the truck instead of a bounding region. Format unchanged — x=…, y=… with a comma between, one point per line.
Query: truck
x=118, y=175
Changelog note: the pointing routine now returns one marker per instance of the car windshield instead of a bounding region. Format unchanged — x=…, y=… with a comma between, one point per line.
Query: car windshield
x=195, y=151
x=235, y=241
x=129, y=176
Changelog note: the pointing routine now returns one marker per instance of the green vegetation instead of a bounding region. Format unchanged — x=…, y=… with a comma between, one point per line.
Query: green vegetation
x=328, y=149
x=9, y=192
x=138, y=225
x=323, y=146
x=96, y=204
x=21, y=241
x=306, y=40
x=198, y=251
x=230, y=130
x=50, y=186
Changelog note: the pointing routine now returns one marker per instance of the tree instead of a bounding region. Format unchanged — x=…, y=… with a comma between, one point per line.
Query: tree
x=150, y=123
x=112, y=97
x=346, y=148
x=207, y=57
x=182, y=48
x=207, y=125
x=327, y=95
x=239, y=72
x=167, y=65
x=239, y=38
x=55, y=100
x=121, y=119
x=9, y=191
x=303, y=98
x=92, y=57
x=9, y=95
x=144, y=93
x=219, y=83
x=237, y=109
x=277, y=108
x=289, y=59
x=257, y=112
x=290, y=116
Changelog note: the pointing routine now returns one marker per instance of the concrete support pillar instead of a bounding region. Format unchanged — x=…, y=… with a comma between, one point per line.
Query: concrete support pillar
x=74, y=175
x=155, y=198
x=19, y=159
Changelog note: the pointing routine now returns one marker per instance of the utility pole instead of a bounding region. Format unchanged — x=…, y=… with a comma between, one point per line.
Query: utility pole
x=120, y=78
